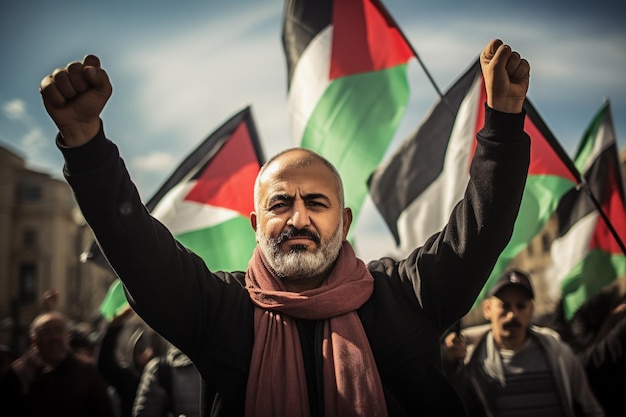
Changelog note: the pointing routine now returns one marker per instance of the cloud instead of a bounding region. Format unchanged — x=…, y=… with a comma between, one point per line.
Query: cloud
x=33, y=142
x=16, y=110
x=159, y=162
x=186, y=88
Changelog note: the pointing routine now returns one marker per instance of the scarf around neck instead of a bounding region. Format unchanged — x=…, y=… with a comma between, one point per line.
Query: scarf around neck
x=277, y=385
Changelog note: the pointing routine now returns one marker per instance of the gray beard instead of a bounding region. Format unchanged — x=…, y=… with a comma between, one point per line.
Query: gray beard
x=299, y=265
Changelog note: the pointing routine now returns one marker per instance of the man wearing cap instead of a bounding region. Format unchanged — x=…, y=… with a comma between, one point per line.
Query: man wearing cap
x=516, y=369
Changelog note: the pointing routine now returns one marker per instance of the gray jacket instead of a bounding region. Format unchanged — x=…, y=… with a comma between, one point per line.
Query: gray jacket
x=569, y=375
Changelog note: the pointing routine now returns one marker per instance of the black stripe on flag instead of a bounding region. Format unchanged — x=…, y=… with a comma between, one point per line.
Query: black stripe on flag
x=192, y=165
x=303, y=20
x=420, y=158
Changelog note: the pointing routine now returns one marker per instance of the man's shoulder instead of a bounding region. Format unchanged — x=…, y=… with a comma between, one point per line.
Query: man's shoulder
x=233, y=277
x=546, y=332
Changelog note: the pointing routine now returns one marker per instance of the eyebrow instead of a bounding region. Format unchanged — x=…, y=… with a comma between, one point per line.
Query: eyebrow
x=306, y=197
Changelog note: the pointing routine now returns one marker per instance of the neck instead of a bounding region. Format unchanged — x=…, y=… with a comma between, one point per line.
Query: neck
x=510, y=344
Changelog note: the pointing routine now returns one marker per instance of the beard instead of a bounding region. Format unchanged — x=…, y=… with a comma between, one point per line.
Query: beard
x=297, y=264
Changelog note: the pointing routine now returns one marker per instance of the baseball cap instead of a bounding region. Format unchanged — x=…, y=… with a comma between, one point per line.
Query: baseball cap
x=513, y=277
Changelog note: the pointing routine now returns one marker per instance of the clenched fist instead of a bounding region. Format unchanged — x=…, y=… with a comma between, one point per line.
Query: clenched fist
x=506, y=75
x=74, y=97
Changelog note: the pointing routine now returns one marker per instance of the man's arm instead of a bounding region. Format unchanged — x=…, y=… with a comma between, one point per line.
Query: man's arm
x=168, y=284
x=453, y=265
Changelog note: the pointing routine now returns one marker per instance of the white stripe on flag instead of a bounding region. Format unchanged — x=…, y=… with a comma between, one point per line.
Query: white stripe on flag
x=310, y=81
x=568, y=252
x=183, y=216
x=428, y=213
x=605, y=137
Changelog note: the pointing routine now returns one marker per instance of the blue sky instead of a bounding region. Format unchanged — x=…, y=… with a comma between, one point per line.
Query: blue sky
x=179, y=69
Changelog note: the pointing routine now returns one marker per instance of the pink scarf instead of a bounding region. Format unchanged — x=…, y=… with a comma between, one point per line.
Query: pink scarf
x=277, y=381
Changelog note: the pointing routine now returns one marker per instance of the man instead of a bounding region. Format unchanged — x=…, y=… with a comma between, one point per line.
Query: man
x=50, y=380
x=516, y=369
x=308, y=329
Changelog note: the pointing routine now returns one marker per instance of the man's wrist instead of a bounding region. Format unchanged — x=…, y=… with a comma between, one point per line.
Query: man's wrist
x=506, y=106
x=78, y=135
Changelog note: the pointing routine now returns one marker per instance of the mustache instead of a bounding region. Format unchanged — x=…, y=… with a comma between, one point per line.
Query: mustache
x=513, y=323
x=292, y=232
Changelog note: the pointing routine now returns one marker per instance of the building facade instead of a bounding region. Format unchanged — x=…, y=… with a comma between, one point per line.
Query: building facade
x=42, y=236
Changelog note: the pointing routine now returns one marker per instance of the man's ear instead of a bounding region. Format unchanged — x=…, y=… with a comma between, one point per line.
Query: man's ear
x=487, y=309
x=347, y=221
x=253, y=220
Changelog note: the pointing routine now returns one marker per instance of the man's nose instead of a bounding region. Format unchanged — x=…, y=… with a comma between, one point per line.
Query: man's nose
x=299, y=215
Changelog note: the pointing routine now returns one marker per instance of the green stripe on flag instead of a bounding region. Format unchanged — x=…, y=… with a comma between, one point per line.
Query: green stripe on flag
x=354, y=122
x=541, y=198
x=227, y=246
x=597, y=270
x=587, y=150
x=114, y=301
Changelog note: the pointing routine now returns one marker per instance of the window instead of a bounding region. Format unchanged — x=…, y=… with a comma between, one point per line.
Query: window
x=29, y=238
x=28, y=283
x=30, y=193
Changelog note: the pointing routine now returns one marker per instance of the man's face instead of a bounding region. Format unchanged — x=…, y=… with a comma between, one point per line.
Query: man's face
x=300, y=224
x=510, y=313
x=52, y=340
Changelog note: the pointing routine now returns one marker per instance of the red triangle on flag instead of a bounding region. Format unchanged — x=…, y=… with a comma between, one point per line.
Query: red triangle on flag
x=228, y=180
x=365, y=39
x=615, y=209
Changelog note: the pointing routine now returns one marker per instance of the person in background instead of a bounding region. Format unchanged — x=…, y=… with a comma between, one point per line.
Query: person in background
x=516, y=369
x=308, y=329
x=123, y=376
x=597, y=333
x=49, y=300
x=83, y=341
x=50, y=379
x=170, y=386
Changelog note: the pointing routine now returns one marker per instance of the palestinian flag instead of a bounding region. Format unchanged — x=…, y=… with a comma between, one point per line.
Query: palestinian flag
x=347, y=84
x=206, y=202
x=587, y=253
x=417, y=188
x=114, y=302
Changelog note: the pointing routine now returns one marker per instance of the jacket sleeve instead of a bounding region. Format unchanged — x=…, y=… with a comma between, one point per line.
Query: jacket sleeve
x=108, y=365
x=450, y=269
x=151, y=399
x=607, y=354
x=166, y=283
x=581, y=395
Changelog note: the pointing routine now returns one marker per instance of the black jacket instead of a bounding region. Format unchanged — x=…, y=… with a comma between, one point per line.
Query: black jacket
x=209, y=315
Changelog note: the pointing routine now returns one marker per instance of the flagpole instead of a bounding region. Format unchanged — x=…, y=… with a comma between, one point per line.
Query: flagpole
x=582, y=183
x=585, y=186
x=384, y=10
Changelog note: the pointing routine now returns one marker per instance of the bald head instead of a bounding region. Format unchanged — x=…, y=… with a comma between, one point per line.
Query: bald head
x=49, y=333
x=295, y=158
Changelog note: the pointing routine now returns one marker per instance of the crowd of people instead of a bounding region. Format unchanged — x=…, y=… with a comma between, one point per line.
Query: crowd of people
x=121, y=368
x=309, y=329
x=516, y=364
